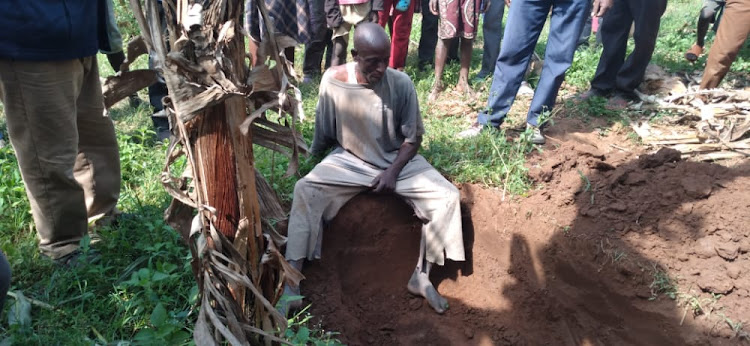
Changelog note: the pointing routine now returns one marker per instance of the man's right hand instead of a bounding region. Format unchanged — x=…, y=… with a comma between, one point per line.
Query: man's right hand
x=507, y=3
x=434, y=7
x=600, y=7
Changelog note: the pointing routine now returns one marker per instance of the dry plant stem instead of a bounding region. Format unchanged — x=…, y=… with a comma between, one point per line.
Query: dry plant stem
x=207, y=77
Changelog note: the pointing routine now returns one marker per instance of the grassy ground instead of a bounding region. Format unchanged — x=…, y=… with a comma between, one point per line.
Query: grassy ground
x=141, y=290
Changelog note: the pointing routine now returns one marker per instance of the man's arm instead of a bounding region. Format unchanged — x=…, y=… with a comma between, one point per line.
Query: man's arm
x=385, y=182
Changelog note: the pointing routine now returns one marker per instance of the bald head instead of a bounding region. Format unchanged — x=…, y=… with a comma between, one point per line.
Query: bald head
x=372, y=50
x=371, y=36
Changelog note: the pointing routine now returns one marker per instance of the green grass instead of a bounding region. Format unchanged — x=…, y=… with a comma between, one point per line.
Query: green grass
x=142, y=289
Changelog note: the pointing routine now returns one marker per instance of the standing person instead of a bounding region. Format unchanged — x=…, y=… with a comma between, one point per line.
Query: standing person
x=707, y=16
x=525, y=22
x=428, y=38
x=615, y=75
x=50, y=89
x=458, y=19
x=374, y=149
x=399, y=20
x=320, y=44
x=732, y=34
x=492, y=29
x=342, y=16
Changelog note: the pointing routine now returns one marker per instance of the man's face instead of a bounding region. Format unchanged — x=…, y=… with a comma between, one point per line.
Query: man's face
x=372, y=63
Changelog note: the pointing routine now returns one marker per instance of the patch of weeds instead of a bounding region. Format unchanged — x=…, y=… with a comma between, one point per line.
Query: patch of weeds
x=613, y=253
x=586, y=185
x=662, y=284
x=490, y=158
x=302, y=331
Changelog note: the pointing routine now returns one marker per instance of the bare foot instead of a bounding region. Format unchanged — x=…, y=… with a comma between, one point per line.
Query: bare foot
x=462, y=87
x=420, y=285
x=435, y=93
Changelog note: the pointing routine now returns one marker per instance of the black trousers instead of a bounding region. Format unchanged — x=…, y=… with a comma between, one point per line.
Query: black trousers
x=615, y=73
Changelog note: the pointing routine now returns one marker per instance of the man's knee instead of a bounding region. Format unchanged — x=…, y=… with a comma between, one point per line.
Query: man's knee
x=708, y=13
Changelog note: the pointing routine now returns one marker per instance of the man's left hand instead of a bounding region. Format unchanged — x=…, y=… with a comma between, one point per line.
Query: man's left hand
x=385, y=182
x=601, y=7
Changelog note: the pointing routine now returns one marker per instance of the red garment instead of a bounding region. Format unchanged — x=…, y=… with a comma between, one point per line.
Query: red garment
x=400, y=27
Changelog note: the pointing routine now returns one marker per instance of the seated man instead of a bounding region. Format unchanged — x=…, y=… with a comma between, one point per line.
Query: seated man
x=369, y=114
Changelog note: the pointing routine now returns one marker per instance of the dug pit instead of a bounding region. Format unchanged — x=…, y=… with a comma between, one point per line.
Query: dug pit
x=614, y=247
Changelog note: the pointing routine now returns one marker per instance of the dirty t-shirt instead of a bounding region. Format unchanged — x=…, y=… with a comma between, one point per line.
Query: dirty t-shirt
x=368, y=121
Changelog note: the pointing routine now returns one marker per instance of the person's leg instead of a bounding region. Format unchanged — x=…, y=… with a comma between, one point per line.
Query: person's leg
x=401, y=31
x=463, y=74
x=614, y=31
x=469, y=20
x=340, y=44
x=566, y=24
x=733, y=31
x=492, y=28
x=525, y=22
x=5, y=277
x=707, y=16
x=437, y=202
x=583, y=39
x=317, y=199
x=97, y=167
x=40, y=108
x=647, y=15
x=428, y=38
x=317, y=45
x=441, y=55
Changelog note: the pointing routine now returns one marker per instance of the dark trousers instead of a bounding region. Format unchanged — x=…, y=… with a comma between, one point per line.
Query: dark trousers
x=526, y=19
x=314, y=52
x=320, y=41
x=492, y=28
x=615, y=73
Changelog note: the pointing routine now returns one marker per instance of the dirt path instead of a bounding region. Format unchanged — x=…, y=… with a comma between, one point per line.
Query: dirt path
x=583, y=260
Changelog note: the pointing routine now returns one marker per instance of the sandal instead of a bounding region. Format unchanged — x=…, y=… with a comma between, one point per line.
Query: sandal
x=693, y=53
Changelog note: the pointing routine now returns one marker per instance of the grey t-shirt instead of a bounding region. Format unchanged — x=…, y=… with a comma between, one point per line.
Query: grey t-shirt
x=369, y=121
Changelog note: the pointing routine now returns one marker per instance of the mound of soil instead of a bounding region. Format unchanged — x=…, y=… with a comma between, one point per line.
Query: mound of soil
x=615, y=247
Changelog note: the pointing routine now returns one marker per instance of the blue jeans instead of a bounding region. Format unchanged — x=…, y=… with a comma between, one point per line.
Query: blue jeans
x=492, y=28
x=525, y=22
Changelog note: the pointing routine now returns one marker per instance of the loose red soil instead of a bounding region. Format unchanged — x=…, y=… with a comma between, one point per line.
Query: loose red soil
x=571, y=264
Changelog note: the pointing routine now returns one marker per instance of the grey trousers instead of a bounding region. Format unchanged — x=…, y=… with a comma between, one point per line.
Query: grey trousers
x=341, y=176
x=65, y=145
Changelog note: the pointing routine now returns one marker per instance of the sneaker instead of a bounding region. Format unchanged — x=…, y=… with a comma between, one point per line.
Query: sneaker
x=525, y=90
x=694, y=53
x=537, y=137
x=307, y=80
x=472, y=131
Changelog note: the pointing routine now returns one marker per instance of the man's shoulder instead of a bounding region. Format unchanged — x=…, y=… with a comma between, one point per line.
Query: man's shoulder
x=337, y=73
